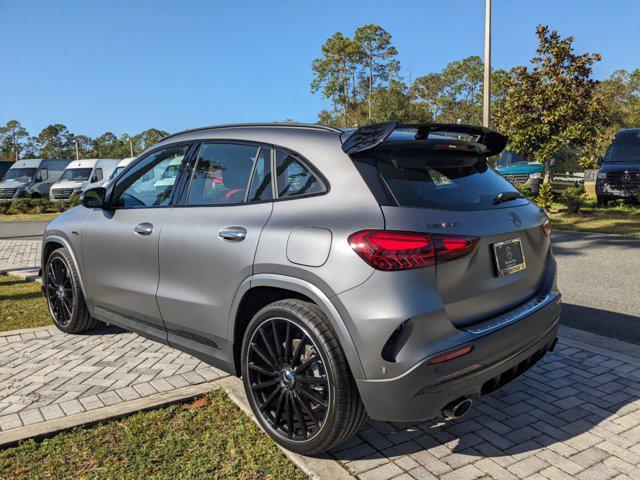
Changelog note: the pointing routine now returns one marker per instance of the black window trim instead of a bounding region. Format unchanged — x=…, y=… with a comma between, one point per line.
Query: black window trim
x=181, y=201
x=177, y=185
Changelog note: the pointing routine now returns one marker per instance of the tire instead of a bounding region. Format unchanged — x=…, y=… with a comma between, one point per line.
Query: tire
x=602, y=201
x=303, y=425
x=35, y=195
x=64, y=295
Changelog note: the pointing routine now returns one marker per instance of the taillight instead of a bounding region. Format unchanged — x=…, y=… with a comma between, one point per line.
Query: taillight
x=391, y=250
x=546, y=228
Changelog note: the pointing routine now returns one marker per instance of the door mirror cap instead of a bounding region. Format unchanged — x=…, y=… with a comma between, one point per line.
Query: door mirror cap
x=599, y=160
x=94, y=198
x=553, y=162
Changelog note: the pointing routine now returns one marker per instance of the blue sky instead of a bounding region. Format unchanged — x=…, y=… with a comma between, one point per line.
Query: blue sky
x=125, y=66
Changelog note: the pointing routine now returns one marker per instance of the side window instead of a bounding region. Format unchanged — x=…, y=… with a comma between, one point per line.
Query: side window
x=222, y=174
x=261, y=181
x=43, y=175
x=150, y=183
x=294, y=178
x=97, y=175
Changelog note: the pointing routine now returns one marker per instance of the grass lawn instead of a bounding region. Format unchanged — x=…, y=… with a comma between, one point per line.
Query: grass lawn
x=209, y=438
x=619, y=219
x=21, y=305
x=22, y=217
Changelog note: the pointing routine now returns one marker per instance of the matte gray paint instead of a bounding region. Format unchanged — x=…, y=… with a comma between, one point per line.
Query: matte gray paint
x=309, y=246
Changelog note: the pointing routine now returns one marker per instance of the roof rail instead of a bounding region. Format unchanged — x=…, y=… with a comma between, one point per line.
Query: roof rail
x=369, y=136
x=266, y=124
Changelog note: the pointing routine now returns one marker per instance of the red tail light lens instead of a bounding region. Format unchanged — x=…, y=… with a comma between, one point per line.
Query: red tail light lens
x=391, y=250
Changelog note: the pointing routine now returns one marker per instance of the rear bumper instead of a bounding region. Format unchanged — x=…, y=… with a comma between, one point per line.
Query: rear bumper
x=498, y=356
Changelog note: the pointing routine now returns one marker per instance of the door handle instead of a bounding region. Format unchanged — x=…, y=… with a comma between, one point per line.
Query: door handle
x=143, y=229
x=233, y=234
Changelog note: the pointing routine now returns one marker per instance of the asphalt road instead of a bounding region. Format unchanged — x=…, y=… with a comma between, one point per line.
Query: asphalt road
x=599, y=277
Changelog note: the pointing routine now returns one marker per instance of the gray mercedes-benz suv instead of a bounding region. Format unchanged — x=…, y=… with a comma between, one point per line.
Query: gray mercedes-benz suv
x=386, y=272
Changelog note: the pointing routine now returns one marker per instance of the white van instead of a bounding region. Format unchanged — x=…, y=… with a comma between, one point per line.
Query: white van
x=31, y=178
x=120, y=167
x=82, y=174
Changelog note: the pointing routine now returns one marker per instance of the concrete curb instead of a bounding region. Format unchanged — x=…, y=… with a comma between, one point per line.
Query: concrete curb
x=11, y=333
x=28, y=274
x=319, y=468
x=13, y=436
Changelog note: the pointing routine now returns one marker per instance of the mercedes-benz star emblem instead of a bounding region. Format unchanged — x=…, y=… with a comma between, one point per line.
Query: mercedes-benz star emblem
x=626, y=177
x=511, y=178
x=515, y=219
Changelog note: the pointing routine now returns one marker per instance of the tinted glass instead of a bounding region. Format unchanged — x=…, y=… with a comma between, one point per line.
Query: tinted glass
x=294, y=178
x=150, y=183
x=261, y=182
x=22, y=174
x=511, y=158
x=116, y=172
x=443, y=181
x=222, y=174
x=76, y=174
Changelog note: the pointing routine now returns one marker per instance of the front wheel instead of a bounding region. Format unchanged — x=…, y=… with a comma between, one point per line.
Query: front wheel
x=603, y=201
x=64, y=295
x=297, y=379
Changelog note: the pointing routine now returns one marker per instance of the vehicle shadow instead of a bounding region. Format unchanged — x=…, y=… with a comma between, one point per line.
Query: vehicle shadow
x=568, y=393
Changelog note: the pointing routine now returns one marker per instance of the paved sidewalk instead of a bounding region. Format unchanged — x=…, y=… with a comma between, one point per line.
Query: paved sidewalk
x=46, y=375
x=20, y=258
x=574, y=415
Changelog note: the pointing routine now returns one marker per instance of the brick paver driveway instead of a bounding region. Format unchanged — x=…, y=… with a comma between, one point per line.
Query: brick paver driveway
x=574, y=415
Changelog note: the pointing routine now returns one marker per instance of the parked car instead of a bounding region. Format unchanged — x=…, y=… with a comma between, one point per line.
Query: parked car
x=31, y=178
x=519, y=170
x=619, y=173
x=82, y=174
x=4, y=166
x=385, y=272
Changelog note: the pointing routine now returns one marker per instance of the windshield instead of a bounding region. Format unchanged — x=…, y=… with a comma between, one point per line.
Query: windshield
x=623, y=153
x=20, y=174
x=509, y=158
x=76, y=174
x=441, y=180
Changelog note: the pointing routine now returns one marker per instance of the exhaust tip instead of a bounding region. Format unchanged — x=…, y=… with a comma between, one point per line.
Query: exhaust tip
x=457, y=408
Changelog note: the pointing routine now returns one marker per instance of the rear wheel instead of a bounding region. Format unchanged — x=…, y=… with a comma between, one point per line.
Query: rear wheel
x=64, y=295
x=297, y=379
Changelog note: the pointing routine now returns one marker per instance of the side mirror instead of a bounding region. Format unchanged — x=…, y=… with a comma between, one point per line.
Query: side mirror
x=553, y=162
x=599, y=160
x=94, y=198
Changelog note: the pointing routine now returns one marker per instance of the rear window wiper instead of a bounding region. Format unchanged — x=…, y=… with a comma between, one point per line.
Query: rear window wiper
x=507, y=197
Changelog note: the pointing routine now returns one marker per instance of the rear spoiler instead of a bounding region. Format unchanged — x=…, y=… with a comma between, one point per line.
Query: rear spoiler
x=367, y=137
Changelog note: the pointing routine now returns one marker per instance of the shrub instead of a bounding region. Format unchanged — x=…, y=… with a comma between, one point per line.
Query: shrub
x=524, y=189
x=573, y=198
x=545, y=196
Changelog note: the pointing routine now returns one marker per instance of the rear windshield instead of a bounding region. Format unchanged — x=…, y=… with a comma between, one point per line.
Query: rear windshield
x=441, y=180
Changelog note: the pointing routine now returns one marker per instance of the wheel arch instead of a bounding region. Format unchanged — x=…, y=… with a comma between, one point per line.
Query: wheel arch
x=280, y=287
x=52, y=243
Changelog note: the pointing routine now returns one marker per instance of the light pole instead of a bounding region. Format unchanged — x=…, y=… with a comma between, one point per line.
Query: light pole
x=486, y=105
x=131, y=146
x=77, y=150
